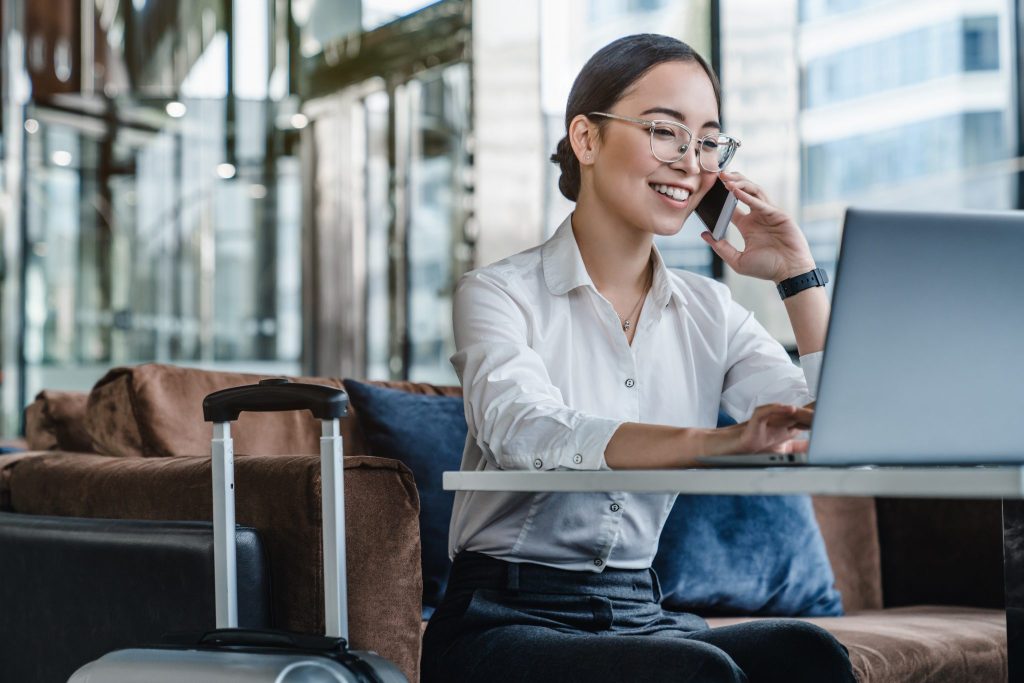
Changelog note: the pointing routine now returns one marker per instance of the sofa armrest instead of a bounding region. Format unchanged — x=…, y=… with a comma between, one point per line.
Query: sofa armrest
x=279, y=496
x=941, y=552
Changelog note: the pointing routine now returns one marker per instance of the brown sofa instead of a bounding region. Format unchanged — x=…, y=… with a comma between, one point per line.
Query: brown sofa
x=921, y=580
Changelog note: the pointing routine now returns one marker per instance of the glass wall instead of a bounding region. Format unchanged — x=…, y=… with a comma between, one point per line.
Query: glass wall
x=882, y=103
x=851, y=165
x=390, y=172
x=437, y=166
x=922, y=54
x=147, y=240
x=155, y=211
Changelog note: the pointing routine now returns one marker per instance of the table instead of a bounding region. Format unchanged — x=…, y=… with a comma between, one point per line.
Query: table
x=1005, y=482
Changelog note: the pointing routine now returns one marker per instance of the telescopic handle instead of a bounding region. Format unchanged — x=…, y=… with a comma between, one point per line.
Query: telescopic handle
x=275, y=395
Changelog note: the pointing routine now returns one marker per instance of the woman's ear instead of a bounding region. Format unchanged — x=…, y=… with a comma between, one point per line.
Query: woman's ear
x=583, y=136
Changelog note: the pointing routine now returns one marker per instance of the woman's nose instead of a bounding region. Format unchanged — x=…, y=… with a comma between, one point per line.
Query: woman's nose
x=688, y=163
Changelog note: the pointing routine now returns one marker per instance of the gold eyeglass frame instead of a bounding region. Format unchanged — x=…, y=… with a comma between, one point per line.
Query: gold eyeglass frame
x=652, y=124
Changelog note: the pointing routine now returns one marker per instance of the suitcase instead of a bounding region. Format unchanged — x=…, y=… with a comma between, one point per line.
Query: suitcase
x=232, y=654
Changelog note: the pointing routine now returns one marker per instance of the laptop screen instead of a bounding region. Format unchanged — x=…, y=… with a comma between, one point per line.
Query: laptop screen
x=924, y=361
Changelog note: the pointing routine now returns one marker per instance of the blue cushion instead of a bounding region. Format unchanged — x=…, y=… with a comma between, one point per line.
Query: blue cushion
x=745, y=555
x=428, y=434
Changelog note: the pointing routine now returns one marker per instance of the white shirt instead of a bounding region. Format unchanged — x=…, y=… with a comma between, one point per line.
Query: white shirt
x=548, y=376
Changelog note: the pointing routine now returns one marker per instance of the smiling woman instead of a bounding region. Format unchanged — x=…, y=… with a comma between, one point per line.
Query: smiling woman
x=588, y=353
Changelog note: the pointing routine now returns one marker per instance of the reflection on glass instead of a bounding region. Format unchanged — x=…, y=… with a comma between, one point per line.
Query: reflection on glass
x=139, y=251
x=323, y=22
x=378, y=222
x=440, y=107
x=921, y=54
x=923, y=115
x=379, y=12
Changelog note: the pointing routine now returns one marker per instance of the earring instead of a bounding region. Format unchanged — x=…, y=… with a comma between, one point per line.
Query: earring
x=587, y=157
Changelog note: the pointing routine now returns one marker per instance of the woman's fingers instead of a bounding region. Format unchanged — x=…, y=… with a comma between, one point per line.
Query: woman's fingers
x=803, y=415
x=723, y=248
x=750, y=200
x=779, y=416
x=752, y=189
x=795, y=446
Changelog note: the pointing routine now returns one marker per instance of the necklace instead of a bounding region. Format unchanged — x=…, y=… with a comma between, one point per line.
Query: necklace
x=626, y=323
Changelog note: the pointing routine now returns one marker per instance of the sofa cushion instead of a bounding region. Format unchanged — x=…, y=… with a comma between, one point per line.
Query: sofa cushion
x=428, y=434
x=56, y=421
x=279, y=496
x=157, y=410
x=850, y=532
x=922, y=644
x=757, y=555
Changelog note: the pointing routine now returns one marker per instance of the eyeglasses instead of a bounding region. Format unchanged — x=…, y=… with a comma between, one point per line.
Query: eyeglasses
x=671, y=140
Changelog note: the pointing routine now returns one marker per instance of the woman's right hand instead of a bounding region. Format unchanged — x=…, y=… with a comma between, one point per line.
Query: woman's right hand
x=773, y=428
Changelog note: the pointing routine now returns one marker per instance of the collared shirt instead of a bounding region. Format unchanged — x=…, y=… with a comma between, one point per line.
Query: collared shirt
x=548, y=376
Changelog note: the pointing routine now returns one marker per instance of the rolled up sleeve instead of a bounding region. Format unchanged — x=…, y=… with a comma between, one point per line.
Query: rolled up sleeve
x=759, y=371
x=517, y=417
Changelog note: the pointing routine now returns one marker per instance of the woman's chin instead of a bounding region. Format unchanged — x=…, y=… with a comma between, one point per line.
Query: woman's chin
x=669, y=227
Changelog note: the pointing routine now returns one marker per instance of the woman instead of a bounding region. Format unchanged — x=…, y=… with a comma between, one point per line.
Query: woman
x=587, y=353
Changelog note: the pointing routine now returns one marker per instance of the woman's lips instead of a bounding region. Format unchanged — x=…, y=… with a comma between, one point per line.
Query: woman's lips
x=669, y=201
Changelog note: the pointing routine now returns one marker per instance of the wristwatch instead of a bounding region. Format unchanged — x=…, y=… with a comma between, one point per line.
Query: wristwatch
x=798, y=283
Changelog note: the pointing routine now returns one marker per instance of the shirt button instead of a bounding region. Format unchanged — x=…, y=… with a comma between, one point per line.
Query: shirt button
x=598, y=562
x=630, y=383
x=578, y=458
x=616, y=507
x=538, y=463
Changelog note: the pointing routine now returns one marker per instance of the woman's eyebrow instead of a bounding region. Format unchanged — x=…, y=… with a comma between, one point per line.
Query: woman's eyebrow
x=674, y=114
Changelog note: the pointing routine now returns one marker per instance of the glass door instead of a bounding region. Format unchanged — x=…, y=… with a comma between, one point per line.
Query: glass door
x=436, y=254
x=144, y=243
x=416, y=178
x=391, y=168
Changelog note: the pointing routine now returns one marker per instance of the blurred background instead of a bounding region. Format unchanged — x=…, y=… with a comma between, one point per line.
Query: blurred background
x=294, y=186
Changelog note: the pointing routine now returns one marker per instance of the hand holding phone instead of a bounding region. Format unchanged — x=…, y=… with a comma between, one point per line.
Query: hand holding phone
x=715, y=209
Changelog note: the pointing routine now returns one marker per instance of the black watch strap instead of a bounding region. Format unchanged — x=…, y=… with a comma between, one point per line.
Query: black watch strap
x=815, y=278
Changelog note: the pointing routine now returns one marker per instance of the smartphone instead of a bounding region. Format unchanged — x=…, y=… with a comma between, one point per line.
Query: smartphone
x=715, y=209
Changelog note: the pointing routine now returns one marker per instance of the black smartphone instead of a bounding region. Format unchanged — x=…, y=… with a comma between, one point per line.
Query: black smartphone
x=715, y=209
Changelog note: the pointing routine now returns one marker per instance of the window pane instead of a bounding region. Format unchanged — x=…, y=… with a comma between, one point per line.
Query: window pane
x=912, y=114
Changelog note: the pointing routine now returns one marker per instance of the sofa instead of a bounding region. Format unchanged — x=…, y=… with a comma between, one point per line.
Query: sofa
x=921, y=580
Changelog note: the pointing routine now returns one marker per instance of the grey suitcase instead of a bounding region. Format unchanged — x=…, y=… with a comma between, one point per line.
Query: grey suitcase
x=232, y=654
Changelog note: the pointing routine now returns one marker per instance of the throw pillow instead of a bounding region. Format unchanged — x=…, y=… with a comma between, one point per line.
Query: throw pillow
x=428, y=434
x=745, y=555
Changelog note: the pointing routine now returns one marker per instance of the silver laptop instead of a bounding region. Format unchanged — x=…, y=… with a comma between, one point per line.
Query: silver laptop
x=924, y=362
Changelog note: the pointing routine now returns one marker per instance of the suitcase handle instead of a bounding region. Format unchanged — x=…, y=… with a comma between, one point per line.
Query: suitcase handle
x=273, y=395
x=240, y=637
x=276, y=394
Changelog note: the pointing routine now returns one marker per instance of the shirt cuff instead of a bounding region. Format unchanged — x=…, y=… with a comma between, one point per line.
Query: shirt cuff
x=591, y=437
x=811, y=365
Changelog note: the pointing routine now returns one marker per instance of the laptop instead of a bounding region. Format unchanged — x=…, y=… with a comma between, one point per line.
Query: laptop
x=924, y=360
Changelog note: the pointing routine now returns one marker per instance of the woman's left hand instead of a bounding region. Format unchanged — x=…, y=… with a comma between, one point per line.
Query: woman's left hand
x=775, y=248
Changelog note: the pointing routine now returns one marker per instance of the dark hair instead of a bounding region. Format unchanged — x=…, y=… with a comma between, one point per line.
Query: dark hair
x=605, y=78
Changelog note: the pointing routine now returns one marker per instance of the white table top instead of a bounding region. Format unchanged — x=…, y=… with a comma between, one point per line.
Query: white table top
x=1002, y=481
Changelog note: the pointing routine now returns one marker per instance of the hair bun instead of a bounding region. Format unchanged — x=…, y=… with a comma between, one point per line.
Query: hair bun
x=569, y=181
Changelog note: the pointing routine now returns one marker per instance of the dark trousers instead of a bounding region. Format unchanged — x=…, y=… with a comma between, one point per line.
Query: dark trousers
x=501, y=621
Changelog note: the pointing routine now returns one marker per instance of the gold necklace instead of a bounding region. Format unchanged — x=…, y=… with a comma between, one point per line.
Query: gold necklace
x=626, y=324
